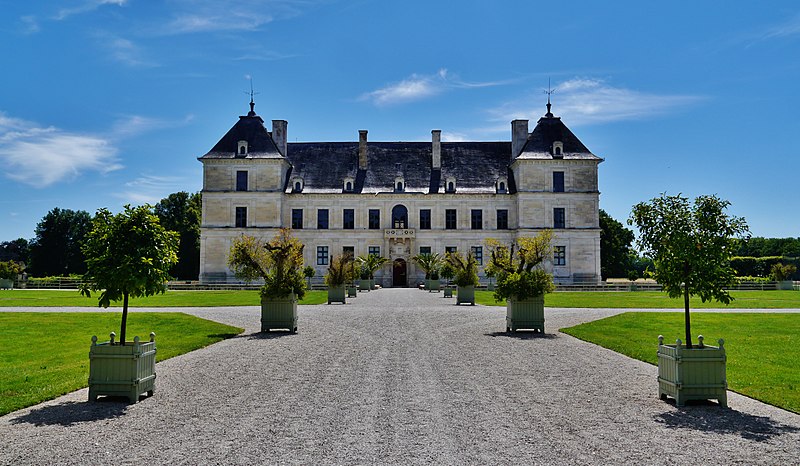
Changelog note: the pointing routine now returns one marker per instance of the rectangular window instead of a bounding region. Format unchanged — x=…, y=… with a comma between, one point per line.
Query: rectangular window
x=297, y=219
x=476, y=219
x=450, y=219
x=558, y=182
x=322, y=255
x=502, y=219
x=425, y=219
x=322, y=219
x=477, y=251
x=241, y=217
x=241, y=180
x=559, y=218
x=374, y=219
x=348, y=219
x=560, y=255
x=375, y=251
x=449, y=249
x=424, y=249
x=349, y=250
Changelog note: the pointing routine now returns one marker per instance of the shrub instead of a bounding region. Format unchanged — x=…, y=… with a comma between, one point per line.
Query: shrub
x=279, y=263
x=518, y=266
x=781, y=272
x=9, y=270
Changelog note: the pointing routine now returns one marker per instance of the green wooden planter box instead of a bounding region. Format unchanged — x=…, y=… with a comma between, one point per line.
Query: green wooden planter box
x=448, y=292
x=6, y=284
x=465, y=295
x=279, y=313
x=433, y=285
x=352, y=291
x=116, y=370
x=336, y=294
x=784, y=285
x=525, y=314
x=364, y=285
x=692, y=374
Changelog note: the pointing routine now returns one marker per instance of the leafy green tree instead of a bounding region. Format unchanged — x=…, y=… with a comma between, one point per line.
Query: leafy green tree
x=466, y=268
x=128, y=255
x=691, y=246
x=370, y=264
x=56, y=249
x=340, y=270
x=518, y=266
x=9, y=270
x=278, y=262
x=615, y=247
x=181, y=212
x=429, y=263
x=17, y=251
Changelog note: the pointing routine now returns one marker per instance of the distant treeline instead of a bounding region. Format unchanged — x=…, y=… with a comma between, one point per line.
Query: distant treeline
x=769, y=247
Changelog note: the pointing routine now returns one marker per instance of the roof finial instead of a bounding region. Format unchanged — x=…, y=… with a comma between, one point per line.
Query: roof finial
x=252, y=103
x=549, y=92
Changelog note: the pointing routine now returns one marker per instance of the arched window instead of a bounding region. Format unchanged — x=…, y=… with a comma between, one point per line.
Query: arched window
x=298, y=186
x=348, y=186
x=399, y=216
x=399, y=187
x=451, y=187
x=502, y=187
x=558, y=151
x=241, y=149
x=242, y=145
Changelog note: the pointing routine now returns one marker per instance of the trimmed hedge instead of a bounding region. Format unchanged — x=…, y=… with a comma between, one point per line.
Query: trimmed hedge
x=762, y=266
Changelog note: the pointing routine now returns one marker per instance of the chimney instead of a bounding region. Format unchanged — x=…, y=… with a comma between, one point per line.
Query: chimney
x=519, y=136
x=436, y=149
x=362, y=149
x=279, y=135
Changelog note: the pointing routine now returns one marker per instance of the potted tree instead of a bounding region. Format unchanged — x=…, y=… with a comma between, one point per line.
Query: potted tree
x=490, y=273
x=127, y=255
x=430, y=264
x=340, y=272
x=466, y=276
x=521, y=279
x=279, y=263
x=369, y=264
x=447, y=272
x=691, y=248
x=782, y=275
x=8, y=273
x=308, y=273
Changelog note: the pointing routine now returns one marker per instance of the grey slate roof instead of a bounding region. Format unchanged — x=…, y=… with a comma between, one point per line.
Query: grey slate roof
x=476, y=166
x=249, y=128
x=550, y=129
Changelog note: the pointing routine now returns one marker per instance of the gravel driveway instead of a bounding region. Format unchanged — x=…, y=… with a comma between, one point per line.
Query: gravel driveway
x=400, y=376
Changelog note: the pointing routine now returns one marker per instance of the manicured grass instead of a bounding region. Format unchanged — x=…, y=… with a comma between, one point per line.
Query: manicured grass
x=656, y=300
x=72, y=298
x=762, y=349
x=46, y=354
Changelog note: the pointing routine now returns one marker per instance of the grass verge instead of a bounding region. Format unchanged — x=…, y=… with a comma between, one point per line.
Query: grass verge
x=656, y=300
x=46, y=354
x=72, y=298
x=762, y=349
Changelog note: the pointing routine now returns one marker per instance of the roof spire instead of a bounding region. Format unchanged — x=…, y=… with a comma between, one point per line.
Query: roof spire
x=252, y=111
x=549, y=92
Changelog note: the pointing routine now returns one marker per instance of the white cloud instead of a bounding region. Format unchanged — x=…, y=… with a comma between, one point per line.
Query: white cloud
x=587, y=101
x=451, y=136
x=30, y=25
x=785, y=29
x=417, y=87
x=149, y=189
x=125, y=51
x=86, y=7
x=41, y=157
x=133, y=125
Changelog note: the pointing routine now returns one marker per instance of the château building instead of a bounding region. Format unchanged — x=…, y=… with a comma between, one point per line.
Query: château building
x=398, y=199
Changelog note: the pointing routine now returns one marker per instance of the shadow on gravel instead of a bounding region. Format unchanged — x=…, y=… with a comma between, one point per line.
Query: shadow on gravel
x=709, y=417
x=523, y=335
x=268, y=335
x=74, y=412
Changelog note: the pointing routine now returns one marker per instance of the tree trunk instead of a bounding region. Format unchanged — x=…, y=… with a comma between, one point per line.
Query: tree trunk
x=125, y=318
x=686, y=316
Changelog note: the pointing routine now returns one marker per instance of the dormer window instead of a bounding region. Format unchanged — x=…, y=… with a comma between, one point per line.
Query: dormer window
x=558, y=149
x=501, y=186
x=242, y=148
x=450, y=185
x=399, y=184
x=348, y=185
x=297, y=185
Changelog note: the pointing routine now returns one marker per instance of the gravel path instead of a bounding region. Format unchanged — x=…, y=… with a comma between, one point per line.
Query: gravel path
x=400, y=376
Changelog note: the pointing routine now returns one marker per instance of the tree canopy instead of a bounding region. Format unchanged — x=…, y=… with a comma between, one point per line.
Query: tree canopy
x=128, y=255
x=691, y=246
x=615, y=247
x=278, y=262
x=17, y=250
x=56, y=248
x=181, y=212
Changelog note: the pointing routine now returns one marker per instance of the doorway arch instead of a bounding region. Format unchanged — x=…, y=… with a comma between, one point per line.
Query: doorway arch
x=399, y=273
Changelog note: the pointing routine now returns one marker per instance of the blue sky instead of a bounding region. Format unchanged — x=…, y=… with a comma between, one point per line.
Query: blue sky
x=108, y=102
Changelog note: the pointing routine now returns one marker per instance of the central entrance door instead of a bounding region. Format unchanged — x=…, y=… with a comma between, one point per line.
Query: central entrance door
x=399, y=273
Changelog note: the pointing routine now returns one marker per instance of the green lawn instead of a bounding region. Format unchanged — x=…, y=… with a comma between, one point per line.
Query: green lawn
x=72, y=298
x=762, y=349
x=46, y=354
x=655, y=300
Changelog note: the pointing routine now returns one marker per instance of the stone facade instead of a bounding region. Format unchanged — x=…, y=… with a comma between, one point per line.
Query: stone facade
x=400, y=199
